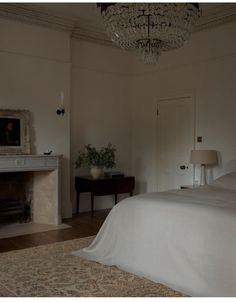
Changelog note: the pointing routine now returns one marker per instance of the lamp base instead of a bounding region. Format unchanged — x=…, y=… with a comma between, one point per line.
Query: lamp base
x=203, y=175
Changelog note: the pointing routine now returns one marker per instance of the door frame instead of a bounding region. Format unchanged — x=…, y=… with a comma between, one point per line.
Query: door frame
x=168, y=97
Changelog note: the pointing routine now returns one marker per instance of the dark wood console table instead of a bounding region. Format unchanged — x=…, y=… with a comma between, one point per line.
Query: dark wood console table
x=103, y=186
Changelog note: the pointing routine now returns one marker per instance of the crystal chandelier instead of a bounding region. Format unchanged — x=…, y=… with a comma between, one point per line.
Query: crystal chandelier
x=149, y=28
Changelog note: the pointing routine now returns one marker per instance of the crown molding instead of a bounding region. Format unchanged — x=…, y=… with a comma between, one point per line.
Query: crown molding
x=27, y=13
x=32, y=14
x=219, y=14
x=91, y=34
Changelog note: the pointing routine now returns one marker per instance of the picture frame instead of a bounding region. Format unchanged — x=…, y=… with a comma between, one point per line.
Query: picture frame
x=14, y=131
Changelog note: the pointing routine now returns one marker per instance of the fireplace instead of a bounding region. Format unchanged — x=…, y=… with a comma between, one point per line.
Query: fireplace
x=30, y=188
x=15, y=196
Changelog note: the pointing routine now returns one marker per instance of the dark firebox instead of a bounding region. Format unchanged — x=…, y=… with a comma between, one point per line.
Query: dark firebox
x=15, y=197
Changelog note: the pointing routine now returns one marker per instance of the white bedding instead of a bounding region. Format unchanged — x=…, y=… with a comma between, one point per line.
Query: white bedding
x=185, y=239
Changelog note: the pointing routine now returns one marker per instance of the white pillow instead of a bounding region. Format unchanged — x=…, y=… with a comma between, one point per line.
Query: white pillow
x=227, y=181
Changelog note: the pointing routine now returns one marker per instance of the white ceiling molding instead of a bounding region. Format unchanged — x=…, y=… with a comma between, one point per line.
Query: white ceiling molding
x=91, y=34
x=216, y=14
x=27, y=13
x=79, y=28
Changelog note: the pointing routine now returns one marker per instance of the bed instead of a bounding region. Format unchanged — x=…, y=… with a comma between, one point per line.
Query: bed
x=185, y=239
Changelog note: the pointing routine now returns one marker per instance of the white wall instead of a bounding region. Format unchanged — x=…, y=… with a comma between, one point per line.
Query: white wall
x=113, y=97
x=34, y=68
x=206, y=68
x=36, y=65
x=101, y=107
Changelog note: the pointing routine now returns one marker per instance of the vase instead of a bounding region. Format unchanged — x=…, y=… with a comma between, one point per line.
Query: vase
x=96, y=172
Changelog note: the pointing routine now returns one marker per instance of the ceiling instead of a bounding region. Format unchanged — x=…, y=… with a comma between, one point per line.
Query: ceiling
x=87, y=11
x=80, y=12
x=84, y=22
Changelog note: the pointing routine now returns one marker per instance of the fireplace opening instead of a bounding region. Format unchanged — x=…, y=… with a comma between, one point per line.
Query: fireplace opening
x=15, y=197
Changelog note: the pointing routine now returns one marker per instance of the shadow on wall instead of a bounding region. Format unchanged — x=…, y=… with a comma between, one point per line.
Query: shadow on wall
x=210, y=169
x=32, y=134
x=230, y=166
x=140, y=187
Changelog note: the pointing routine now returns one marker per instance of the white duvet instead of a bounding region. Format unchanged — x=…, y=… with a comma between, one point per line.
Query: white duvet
x=185, y=239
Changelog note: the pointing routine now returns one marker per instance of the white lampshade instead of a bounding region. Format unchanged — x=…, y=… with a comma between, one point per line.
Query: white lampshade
x=203, y=157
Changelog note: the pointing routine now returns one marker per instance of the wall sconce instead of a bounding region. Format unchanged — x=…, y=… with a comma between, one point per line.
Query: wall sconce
x=61, y=109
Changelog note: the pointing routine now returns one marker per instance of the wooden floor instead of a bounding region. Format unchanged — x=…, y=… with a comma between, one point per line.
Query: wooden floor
x=82, y=225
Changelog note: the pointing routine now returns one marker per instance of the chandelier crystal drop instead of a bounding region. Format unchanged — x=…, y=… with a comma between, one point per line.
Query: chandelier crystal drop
x=149, y=28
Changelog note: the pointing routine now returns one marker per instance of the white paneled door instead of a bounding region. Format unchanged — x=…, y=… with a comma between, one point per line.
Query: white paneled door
x=175, y=140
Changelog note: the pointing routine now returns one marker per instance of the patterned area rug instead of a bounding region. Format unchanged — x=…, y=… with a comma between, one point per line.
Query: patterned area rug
x=52, y=271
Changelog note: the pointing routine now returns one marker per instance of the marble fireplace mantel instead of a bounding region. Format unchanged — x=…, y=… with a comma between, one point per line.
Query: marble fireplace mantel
x=46, y=171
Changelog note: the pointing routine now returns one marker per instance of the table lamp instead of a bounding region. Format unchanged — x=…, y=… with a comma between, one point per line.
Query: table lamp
x=203, y=157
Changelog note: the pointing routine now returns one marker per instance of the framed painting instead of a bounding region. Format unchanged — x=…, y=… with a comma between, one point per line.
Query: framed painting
x=14, y=132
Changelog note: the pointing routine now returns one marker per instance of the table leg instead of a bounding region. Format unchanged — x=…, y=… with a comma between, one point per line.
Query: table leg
x=131, y=193
x=115, y=198
x=92, y=203
x=78, y=197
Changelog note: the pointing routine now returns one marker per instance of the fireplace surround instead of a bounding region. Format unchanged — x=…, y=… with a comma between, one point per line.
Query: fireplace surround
x=43, y=173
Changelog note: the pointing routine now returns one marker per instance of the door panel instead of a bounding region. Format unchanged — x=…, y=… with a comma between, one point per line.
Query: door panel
x=175, y=141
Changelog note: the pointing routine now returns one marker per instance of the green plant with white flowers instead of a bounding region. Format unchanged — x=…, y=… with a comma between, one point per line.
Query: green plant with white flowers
x=105, y=157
